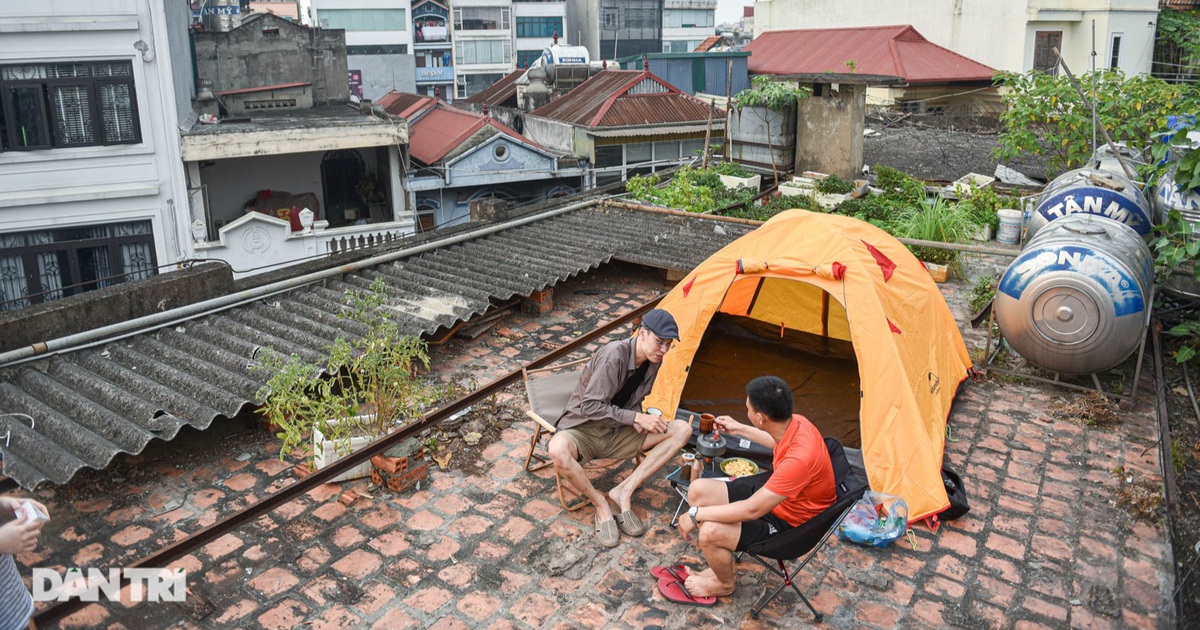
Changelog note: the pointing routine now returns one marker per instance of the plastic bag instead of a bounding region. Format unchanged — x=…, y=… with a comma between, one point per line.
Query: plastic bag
x=875, y=520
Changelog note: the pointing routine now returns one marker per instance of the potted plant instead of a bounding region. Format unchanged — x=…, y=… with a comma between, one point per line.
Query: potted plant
x=366, y=384
x=934, y=220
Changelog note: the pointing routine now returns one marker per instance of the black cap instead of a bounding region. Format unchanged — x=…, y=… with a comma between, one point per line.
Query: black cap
x=661, y=323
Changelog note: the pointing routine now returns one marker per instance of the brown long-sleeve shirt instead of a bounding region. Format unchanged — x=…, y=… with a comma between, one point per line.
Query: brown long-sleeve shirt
x=602, y=378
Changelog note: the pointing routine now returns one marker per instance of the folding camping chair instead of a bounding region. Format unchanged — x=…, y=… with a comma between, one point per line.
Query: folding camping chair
x=548, y=390
x=810, y=536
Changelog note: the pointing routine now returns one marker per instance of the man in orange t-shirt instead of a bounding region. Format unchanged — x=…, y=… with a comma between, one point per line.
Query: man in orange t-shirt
x=731, y=516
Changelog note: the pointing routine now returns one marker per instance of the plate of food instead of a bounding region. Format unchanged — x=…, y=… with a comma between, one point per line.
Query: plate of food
x=739, y=467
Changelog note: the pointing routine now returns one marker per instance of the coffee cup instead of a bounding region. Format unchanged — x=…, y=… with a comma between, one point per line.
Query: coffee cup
x=706, y=423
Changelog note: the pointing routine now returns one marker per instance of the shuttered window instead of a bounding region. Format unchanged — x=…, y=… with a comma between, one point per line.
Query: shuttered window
x=1044, y=44
x=63, y=105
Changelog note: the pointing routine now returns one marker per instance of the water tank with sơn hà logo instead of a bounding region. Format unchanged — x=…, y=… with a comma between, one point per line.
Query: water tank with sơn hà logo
x=1077, y=299
x=1092, y=191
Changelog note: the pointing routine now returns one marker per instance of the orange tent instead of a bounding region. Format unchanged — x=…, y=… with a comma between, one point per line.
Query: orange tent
x=846, y=315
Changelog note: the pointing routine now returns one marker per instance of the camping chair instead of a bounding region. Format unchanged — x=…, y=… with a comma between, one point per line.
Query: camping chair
x=548, y=390
x=809, y=536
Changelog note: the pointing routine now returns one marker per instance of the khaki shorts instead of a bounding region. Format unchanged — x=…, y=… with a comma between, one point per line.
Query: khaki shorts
x=594, y=440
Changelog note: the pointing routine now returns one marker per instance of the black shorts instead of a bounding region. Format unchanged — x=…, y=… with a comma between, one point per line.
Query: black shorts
x=760, y=529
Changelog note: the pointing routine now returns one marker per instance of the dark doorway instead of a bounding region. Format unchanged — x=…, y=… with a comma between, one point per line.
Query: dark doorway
x=341, y=172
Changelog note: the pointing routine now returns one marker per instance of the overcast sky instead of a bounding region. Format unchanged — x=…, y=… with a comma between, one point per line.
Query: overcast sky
x=730, y=10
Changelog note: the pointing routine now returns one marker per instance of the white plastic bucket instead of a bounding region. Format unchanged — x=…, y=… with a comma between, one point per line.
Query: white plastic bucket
x=1010, y=226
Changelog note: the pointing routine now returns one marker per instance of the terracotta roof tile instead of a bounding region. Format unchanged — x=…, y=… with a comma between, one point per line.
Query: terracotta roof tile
x=616, y=98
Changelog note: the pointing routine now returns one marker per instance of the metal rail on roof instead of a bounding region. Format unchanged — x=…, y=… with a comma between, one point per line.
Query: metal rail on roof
x=174, y=551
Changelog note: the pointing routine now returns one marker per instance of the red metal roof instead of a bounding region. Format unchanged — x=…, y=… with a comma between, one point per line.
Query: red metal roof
x=404, y=104
x=621, y=98
x=708, y=43
x=885, y=51
x=443, y=129
x=499, y=92
x=265, y=88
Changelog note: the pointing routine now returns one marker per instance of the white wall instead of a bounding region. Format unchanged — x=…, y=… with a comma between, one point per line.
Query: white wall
x=985, y=31
x=80, y=186
x=381, y=73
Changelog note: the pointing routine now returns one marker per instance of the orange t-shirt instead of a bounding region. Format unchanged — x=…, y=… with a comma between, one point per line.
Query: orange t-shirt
x=803, y=473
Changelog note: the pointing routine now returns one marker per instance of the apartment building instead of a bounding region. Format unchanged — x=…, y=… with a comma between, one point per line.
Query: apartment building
x=483, y=43
x=379, y=43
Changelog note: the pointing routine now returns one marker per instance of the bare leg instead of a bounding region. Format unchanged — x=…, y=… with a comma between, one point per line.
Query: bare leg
x=717, y=542
x=564, y=454
x=663, y=446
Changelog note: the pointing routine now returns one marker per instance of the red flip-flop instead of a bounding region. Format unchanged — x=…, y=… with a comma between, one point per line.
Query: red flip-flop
x=675, y=591
x=673, y=572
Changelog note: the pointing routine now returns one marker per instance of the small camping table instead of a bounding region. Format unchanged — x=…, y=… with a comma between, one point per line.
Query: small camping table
x=681, y=480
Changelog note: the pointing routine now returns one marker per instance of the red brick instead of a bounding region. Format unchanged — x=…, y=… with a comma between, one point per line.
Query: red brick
x=515, y=529
x=207, y=498
x=451, y=505
x=376, y=595
x=132, y=535
x=956, y=542
x=347, y=536
x=1052, y=547
x=928, y=614
x=272, y=466
x=429, y=599
x=286, y=615
x=228, y=615
x=1043, y=608
x=424, y=521
x=348, y=497
x=383, y=517
x=459, y=574
x=93, y=616
x=444, y=549
x=590, y=615
x=223, y=546
x=1006, y=546
x=478, y=605
x=877, y=614
x=541, y=511
x=313, y=559
x=390, y=544
x=450, y=623
x=535, y=608
x=393, y=619
x=471, y=525
x=241, y=482
x=329, y=511
x=358, y=564
x=88, y=556
x=274, y=581
x=336, y=617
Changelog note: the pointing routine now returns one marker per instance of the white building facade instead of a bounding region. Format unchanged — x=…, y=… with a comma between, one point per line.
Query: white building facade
x=483, y=43
x=687, y=23
x=91, y=182
x=1014, y=35
x=379, y=43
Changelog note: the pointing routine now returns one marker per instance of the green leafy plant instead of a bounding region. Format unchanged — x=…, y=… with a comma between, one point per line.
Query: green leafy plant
x=1044, y=114
x=691, y=189
x=773, y=207
x=771, y=94
x=934, y=220
x=982, y=204
x=1176, y=37
x=835, y=185
x=366, y=383
x=732, y=169
x=900, y=185
x=982, y=292
x=1175, y=155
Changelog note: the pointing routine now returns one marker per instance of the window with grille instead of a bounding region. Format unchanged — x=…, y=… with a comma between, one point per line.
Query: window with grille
x=62, y=105
x=482, y=19
x=46, y=265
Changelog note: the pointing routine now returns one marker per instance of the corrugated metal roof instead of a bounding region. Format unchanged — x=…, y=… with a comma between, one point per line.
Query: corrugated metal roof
x=884, y=51
x=443, y=129
x=91, y=404
x=614, y=98
x=502, y=92
x=405, y=105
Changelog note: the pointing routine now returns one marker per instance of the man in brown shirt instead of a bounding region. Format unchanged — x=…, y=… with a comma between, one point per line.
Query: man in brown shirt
x=602, y=421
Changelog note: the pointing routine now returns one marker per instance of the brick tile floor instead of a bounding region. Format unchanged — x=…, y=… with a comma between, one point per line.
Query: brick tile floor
x=1043, y=546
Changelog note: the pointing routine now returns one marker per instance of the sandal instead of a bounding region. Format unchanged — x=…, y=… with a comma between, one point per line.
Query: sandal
x=675, y=591
x=630, y=523
x=607, y=532
x=675, y=572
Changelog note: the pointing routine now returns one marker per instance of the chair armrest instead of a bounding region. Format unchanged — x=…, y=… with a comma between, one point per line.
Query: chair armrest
x=546, y=426
x=557, y=366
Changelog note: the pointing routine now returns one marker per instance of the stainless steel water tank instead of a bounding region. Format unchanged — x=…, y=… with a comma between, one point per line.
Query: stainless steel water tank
x=1086, y=191
x=1077, y=299
x=1169, y=196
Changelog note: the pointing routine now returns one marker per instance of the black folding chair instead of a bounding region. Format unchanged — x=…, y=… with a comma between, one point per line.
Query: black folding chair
x=809, y=536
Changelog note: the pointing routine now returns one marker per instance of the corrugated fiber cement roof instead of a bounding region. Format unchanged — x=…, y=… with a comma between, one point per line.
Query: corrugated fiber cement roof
x=93, y=403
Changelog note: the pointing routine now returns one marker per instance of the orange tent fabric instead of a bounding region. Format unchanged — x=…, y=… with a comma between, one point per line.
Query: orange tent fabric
x=842, y=278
